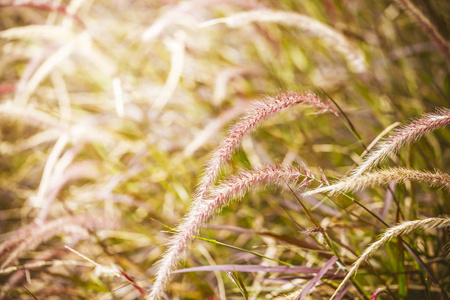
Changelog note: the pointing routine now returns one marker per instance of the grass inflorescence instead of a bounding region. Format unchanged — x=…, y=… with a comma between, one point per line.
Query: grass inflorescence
x=224, y=149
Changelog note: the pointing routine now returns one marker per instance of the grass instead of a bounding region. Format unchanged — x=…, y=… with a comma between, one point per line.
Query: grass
x=224, y=149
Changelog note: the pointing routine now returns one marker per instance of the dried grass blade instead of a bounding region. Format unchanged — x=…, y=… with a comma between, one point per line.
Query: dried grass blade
x=257, y=268
x=442, y=44
x=399, y=230
x=318, y=276
x=234, y=276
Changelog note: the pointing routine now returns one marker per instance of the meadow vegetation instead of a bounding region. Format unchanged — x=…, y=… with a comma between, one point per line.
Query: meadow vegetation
x=212, y=149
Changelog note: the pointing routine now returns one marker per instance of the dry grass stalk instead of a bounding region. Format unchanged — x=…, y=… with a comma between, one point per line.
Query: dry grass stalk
x=29, y=115
x=176, y=46
x=202, y=210
x=187, y=14
x=80, y=132
x=63, y=52
x=44, y=5
x=47, y=175
x=44, y=263
x=403, y=136
x=260, y=111
x=333, y=38
x=399, y=230
x=36, y=31
x=384, y=177
x=21, y=273
x=112, y=272
x=82, y=170
x=29, y=238
x=436, y=37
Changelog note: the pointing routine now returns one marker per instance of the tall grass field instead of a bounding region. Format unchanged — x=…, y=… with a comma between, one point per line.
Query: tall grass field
x=214, y=149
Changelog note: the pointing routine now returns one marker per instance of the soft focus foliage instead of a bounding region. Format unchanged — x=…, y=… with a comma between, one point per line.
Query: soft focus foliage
x=113, y=115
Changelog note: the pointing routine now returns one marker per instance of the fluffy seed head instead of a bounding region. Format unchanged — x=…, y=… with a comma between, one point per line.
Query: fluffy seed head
x=333, y=38
x=203, y=210
x=399, y=230
x=258, y=112
x=29, y=238
x=403, y=136
x=384, y=177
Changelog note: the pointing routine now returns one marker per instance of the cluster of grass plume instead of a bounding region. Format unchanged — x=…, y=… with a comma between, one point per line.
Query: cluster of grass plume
x=119, y=179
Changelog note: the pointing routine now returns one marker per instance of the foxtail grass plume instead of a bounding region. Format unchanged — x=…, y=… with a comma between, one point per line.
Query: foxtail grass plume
x=221, y=196
x=415, y=13
x=29, y=238
x=384, y=177
x=260, y=111
x=401, y=137
x=333, y=38
x=399, y=230
x=187, y=13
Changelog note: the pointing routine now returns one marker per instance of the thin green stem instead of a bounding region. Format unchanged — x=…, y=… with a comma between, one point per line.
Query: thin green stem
x=241, y=249
x=347, y=124
x=358, y=286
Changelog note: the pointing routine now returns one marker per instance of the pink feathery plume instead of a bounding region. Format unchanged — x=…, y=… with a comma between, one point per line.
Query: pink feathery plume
x=260, y=111
x=403, y=136
x=202, y=211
